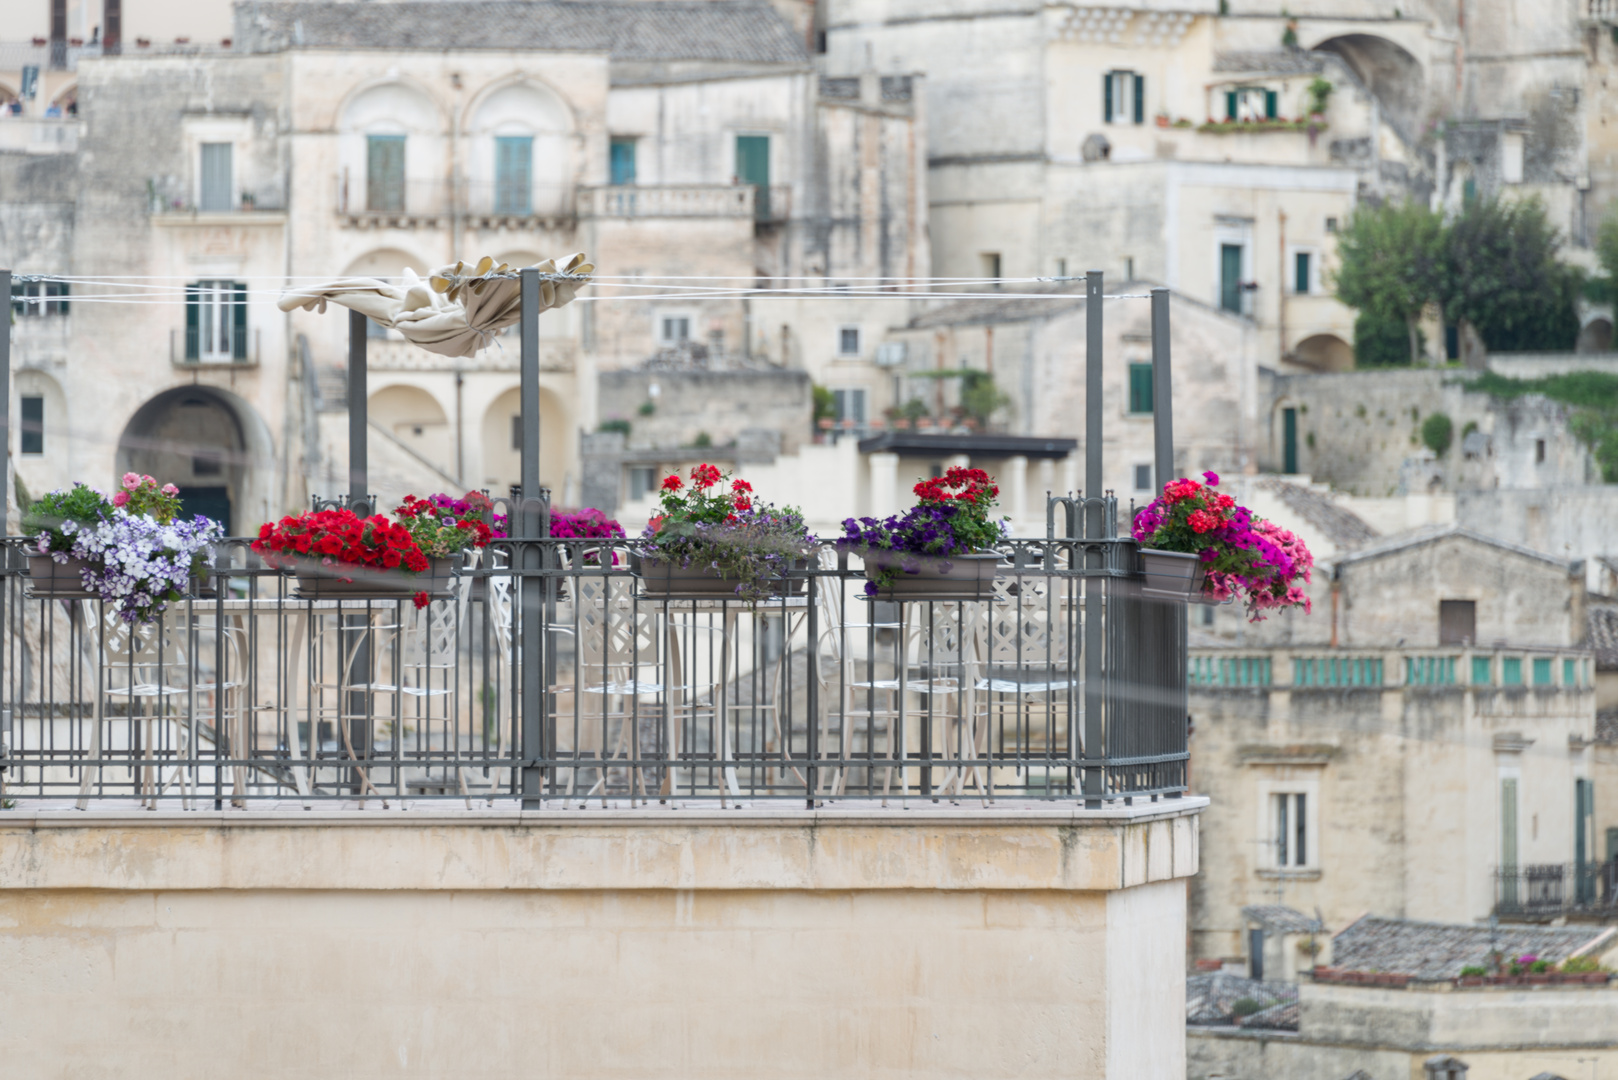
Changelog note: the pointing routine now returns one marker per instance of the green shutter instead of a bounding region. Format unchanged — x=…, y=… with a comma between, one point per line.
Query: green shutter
x=238, y=322
x=623, y=161
x=1140, y=99
x=193, y=311
x=753, y=167
x=513, y=174
x=385, y=172
x=1106, y=97
x=1270, y=98
x=1230, y=105
x=1140, y=388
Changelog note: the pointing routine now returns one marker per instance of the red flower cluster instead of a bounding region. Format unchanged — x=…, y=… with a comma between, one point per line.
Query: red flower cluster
x=1202, y=521
x=440, y=511
x=705, y=476
x=672, y=482
x=1176, y=490
x=339, y=536
x=958, y=485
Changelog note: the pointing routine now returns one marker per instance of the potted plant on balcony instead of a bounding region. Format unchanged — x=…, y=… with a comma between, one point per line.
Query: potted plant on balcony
x=1198, y=545
x=715, y=540
x=447, y=528
x=53, y=521
x=939, y=549
x=339, y=555
x=587, y=524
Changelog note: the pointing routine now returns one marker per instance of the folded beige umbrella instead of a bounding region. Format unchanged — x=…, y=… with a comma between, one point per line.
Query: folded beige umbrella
x=456, y=310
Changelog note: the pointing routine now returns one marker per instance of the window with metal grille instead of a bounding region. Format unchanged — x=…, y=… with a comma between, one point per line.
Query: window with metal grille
x=32, y=435
x=1140, y=388
x=622, y=160
x=32, y=299
x=384, y=172
x=218, y=180
x=513, y=174
x=216, y=321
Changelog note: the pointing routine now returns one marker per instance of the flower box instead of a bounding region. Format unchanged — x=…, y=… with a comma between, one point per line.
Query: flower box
x=345, y=581
x=959, y=577
x=664, y=580
x=50, y=579
x=1173, y=575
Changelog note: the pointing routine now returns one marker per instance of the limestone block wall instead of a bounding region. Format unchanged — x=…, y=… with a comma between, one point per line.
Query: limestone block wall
x=674, y=943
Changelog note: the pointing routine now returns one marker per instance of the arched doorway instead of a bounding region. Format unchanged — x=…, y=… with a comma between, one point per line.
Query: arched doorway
x=1596, y=336
x=502, y=443
x=1324, y=352
x=1389, y=71
x=416, y=419
x=209, y=443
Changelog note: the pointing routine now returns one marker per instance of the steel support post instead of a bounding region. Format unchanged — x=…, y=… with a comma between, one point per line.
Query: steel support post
x=1173, y=713
x=529, y=555
x=1095, y=528
x=356, y=636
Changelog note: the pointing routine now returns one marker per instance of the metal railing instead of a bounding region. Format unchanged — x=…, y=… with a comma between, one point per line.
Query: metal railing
x=252, y=691
x=1458, y=669
x=35, y=135
x=667, y=201
x=1550, y=890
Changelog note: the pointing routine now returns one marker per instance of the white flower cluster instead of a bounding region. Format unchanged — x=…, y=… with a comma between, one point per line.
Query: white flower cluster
x=141, y=565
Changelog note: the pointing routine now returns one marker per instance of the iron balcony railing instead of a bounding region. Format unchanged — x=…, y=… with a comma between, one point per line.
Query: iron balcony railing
x=1503, y=667
x=251, y=692
x=1550, y=890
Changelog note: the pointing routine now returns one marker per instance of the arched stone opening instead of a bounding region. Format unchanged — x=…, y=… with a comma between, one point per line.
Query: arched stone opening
x=502, y=443
x=1389, y=71
x=1596, y=336
x=212, y=445
x=521, y=160
x=1324, y=352
x=416, y=419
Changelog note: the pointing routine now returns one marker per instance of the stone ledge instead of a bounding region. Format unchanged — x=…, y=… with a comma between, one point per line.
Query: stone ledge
x=693, y=849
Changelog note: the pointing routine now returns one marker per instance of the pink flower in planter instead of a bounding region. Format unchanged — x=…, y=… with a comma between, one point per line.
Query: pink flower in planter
x=120, y=498
x=131, y=481
x=170, y=489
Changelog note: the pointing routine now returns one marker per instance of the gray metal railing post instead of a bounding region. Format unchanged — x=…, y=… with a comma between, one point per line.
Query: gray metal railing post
x=1094, y=776
x=5, y=393
x=356, y=636
x=1162, y=389
x=530, y=558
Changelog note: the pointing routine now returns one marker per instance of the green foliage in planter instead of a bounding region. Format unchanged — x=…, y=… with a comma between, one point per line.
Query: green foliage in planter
x=825, y=403
x=618, y=424
x=1247, y=1007
x=1472, y=970
x=1437, y=432
x=1580, y=965
x=1319, y=95
x=81, y=505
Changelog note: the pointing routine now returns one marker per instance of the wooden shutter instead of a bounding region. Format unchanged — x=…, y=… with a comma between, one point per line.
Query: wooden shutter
x=513, y=174
x=238, y=321
x=1230, y=104
x=385, y=172
x=1140, y=99
x=1106, y=98
x=193, y=313
x=1457, y=622
x=1269, y=104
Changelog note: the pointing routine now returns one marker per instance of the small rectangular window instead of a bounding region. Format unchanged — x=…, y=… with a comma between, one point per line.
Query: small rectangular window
x=850, y=405
x=1511, y=671
x=642, y=479
x=32, y=436
x=1457, y=622
x=217, y=178
x=1123, y=96
x=1291, y=816
x=848, y=341
x=1542, y=671
x=1143, y=478
x=31, y=299
x=1300, y=272
x=674, y=329
x=1331, y=224
x=1539, y=451
x=1140, y=388
x=622, y=161
x=1481, y=673
x=216, y=321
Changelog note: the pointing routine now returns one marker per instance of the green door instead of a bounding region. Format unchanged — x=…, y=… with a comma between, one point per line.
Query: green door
x=1508, y=843
x=1289, y=441
x=385, y=172
x=1230, y=277
x=753, y=167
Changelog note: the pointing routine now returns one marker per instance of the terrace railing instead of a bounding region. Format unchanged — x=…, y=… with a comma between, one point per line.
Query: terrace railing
x=1552, y=890
x=249, y=692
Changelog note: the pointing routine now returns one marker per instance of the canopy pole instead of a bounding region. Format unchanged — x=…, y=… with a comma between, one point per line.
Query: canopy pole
x=358, y=466
x=1095, y=528
x=530, y=514
x=1162, y=389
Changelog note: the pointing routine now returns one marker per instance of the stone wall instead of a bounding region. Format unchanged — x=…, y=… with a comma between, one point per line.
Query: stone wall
x=712, y=943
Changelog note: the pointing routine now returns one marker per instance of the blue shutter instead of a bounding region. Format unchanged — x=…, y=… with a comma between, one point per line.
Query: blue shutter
x=1106, y=98
x=623, y=162
x=1140, y=99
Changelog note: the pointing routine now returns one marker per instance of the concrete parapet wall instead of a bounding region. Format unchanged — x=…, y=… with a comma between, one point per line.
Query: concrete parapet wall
x=667, y=943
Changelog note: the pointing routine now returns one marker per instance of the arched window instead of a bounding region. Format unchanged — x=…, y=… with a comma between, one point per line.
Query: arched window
x=391, y=146
x=522, y=161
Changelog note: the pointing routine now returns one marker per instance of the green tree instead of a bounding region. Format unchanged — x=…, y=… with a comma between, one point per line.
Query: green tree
x=1380, y=341
x=1391, y=263
x=1504, y=277
x=1437, y=431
